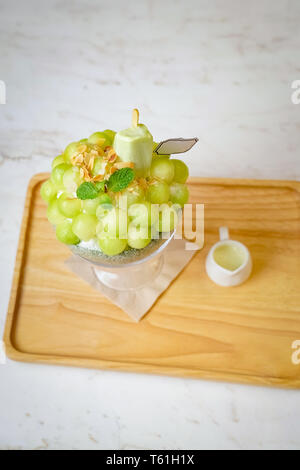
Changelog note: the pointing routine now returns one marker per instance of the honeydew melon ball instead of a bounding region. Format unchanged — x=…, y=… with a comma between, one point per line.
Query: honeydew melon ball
x=145, y=214
x=157, y=157
x=168, y=218
x=112, y=247
x=115, y=223
x=158, y=192
x=58, y=160
x=99, y=138
x=98, y=167
x=58, y=173
x=69, y=206
x=138, y=236
x=54, y=215
x=110, y=134
x=179, y=194
x=99, y=230
x=72, y=179
x=84, y=226
x=65, y=234
x=181, y=171
x=70, y=150
x=48, y=191
x=134, y=194
x=163, y=169
x=104, y=207
x=90, y=206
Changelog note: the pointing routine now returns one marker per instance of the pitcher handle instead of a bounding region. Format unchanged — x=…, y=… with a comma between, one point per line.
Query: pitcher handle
x=224, y=233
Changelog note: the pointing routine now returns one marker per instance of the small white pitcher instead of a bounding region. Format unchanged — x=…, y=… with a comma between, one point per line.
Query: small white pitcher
x=229, y=262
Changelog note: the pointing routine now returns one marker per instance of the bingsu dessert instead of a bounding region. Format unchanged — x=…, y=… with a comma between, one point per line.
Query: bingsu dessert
x=112, y=195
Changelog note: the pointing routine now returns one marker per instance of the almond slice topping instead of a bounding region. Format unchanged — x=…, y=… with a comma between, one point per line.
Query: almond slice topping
x=120, y=165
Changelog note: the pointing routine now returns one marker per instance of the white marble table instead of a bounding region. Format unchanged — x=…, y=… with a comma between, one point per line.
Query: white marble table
x=221, y=70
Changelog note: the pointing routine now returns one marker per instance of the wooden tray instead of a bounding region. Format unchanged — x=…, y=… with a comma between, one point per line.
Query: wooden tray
x=195, y=329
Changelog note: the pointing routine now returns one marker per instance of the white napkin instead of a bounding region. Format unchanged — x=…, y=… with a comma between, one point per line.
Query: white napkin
x=137, y=302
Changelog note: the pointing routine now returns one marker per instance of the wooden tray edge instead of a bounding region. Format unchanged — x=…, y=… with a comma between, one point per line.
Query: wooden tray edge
x=18, y=355
x=98, y=364
x=293, y=184
x=10, y=349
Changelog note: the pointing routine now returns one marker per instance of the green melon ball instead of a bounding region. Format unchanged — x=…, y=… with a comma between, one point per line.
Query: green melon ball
x=110, y=134
x=90, y=206
x=48, y=191
x=104, y=208
x=134, y=195
x=181, y=171
x=168, y=219
x=157, y=157
x=84, y=226
x=69, y=206
x=144, y=214
x=158, y=192
x=112, y=247
x=54, y=215
x=58, y=173
x=58, y=160
x=72, y=179
x=179, y=194
x=163, y=169
x=99, y=138
x=65, y=234
x=70, y=150
x=138, y=236
x=98, y=167
x=115, y=223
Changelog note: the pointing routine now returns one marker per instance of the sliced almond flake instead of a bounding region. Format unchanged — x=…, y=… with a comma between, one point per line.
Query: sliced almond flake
x=86, y=158
x=94, y=153
x=120, y=165
x=113, y=170
x=78, y=159
x=91, y=163
x=113, y=158
x=98, y=178
x=86, y=174
x=73, y=159
x=98, y=149
x=110, y=152
x=81, y=172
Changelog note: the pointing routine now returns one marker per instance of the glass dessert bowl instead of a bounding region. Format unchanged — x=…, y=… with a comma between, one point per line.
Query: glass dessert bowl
x=131, y=269
x=116, y=202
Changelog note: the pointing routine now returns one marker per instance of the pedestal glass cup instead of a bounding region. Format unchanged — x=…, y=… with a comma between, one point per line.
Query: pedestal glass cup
x=130, y=270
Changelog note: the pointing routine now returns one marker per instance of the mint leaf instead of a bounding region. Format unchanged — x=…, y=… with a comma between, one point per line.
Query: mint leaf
x=120, y=180
x=87, y=191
